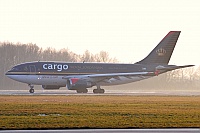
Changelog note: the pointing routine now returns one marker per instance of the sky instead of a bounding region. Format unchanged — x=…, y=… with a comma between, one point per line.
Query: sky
x=127, y=29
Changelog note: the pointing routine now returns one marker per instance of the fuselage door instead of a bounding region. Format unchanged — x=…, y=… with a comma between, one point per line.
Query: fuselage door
x=32, y=69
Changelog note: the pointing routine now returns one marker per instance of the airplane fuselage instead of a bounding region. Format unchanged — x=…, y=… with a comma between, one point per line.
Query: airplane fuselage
x=52, y=73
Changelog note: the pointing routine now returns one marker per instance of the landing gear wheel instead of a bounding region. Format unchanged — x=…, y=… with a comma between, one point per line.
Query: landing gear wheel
x=85, y=91
x=95, y=91
x=82, y=91
x=98, y=91
x=31, y=90
x=102, y=90
x=78, y=91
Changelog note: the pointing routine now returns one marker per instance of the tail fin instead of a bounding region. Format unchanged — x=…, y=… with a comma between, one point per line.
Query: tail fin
x=161, y=54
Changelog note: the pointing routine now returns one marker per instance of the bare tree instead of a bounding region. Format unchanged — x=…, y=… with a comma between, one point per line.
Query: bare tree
x=103, y=56
x=88, y=57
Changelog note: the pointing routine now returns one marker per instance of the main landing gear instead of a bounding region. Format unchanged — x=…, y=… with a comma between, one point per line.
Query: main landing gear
x=98, y=90
x=31, y=88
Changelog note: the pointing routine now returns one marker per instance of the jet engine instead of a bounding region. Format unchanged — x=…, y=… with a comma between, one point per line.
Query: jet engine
x=50, y=87
x=76, y=84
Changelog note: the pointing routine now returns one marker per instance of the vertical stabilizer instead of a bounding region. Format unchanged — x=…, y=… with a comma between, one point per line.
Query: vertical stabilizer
x=161, y=54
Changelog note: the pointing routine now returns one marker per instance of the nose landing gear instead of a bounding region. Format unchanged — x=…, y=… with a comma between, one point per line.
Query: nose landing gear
x=31, y=88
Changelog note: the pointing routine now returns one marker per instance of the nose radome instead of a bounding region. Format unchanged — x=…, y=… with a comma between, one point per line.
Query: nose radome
x=7, y=73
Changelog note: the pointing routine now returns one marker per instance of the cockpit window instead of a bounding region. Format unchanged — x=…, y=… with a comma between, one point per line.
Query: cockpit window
x=20, y=68
x=25, y=68
x=14, y=69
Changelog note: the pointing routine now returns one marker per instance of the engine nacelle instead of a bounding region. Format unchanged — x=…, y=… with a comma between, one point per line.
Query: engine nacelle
x=76, y=84
x=50, y=87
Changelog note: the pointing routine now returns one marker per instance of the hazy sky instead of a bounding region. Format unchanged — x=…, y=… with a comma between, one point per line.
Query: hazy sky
x=126, y=29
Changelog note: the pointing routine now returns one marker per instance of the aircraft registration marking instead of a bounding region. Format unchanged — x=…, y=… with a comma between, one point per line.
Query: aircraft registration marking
x=49, y=77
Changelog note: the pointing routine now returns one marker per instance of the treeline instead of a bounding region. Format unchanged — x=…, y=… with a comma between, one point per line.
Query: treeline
x=12, y=54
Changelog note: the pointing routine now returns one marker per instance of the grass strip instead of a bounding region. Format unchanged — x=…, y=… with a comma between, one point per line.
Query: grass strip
x=52, y=112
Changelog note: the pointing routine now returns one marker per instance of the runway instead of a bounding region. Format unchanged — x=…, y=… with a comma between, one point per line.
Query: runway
x=108, y=92
x=185, y=130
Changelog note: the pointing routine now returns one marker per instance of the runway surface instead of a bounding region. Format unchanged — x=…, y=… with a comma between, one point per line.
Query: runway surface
x=189, y=130
x=108, y=92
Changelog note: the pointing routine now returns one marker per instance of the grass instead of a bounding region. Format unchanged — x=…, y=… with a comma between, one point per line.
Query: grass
x=52, y=112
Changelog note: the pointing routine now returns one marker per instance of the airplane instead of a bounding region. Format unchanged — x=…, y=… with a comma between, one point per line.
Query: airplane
x=80, y=76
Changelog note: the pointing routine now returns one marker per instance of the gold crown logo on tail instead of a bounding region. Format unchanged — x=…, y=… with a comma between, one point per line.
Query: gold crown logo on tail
x=161, y=52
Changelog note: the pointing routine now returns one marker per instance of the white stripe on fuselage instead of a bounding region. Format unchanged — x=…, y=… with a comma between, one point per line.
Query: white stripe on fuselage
x=39, y=79
x=58, y=80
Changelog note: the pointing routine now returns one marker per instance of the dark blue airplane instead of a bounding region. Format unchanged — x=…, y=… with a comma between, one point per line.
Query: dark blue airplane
x=80, y=76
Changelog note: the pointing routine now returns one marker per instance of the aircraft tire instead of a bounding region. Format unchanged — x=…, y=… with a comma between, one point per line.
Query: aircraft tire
x=82, y=91
x=98, y=91
x=79, y=91
x=31, y=90
x=85, y=91
x=95, y=91
x=102, y=91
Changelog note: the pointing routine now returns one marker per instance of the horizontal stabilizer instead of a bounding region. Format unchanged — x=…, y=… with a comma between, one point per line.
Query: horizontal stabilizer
x=170, y=68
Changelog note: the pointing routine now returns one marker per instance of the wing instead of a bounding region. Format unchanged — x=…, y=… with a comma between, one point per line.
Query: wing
x=101, y=77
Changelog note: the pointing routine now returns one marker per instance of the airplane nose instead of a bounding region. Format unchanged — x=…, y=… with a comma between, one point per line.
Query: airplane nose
x=7, y=73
